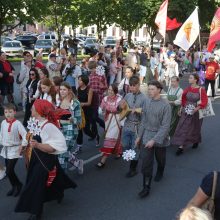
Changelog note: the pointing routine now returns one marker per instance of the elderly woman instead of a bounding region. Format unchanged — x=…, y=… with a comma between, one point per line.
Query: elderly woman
x=46, y=180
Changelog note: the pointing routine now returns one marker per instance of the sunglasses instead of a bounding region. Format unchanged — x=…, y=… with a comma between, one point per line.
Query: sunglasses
x=32, y=74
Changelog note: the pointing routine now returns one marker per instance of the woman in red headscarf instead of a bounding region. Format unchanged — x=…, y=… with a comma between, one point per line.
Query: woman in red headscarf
x=46, y=180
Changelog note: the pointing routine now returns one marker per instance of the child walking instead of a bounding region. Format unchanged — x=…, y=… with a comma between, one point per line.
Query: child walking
x=12, y=137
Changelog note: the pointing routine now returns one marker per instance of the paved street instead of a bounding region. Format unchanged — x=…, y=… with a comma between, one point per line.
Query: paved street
x=107, y=195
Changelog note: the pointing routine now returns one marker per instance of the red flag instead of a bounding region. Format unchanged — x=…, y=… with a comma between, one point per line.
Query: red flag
x=172, y=24
x=161, y=18
x=215, y=31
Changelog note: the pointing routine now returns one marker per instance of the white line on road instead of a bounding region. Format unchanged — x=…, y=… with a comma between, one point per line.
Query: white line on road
x=92, y=158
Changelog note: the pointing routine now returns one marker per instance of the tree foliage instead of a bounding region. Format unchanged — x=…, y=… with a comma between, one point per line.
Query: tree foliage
x=61, y=13
x=97, y=12
x=18, y=12
x=129, y=15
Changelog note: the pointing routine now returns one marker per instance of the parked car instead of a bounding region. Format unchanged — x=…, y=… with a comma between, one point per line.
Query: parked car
x=47, y=37
x=44, y=46
x=27, y=40
x=13, y=48
x=109, y=42
x=89, y=45
x=4, y=39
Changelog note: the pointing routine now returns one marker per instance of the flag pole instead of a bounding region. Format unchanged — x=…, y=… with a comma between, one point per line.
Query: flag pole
x=200, y=46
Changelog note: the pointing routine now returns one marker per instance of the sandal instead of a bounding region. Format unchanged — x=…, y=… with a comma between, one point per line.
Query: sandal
x=100, y=165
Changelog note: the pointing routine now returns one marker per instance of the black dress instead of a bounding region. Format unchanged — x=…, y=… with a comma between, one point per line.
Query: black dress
x=83, y=98
x=36, y=191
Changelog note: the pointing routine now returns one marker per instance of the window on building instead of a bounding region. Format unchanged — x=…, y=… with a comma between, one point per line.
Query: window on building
x=137, y=33
x=113, y=31
x=104, y=33
x=120, y=32
x=144, y=32
x=93, y=30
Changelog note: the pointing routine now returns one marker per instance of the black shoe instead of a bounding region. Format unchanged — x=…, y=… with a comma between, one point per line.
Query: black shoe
x=144, y=192
x=100, y=165
x=11, y=192
x=17, y=190
x=131, y=173
x=179, y=151
x=195, y=145
x=158, y=177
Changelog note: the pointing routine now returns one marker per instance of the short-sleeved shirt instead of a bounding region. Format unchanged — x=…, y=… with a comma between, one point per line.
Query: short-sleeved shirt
x=206, y=187
x=211, y=68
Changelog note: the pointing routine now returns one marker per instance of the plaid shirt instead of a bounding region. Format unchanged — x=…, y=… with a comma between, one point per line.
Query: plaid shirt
x=95, y=83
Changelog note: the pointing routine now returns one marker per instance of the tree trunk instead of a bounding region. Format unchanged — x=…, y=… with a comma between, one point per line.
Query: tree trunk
x=129, y=38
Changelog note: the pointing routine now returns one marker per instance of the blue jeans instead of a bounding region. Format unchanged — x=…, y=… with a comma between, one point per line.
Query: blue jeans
x=128, y=142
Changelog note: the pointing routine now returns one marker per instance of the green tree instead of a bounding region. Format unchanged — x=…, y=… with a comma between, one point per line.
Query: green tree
x=129, y=15
x=18, y=12
x=96, y=12
x=151, y=8
x=61, y=13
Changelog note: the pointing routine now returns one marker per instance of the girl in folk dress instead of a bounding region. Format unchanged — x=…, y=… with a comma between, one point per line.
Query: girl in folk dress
x=47, y=91
x=172, y=68
x=69, y=124
x=174, y=96
x=188, y=130
x=112, y=143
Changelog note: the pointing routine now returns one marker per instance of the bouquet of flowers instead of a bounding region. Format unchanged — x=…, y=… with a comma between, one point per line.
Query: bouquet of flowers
x=33, y=126
x=189, y=109
x=100, y=70
x=129, y=155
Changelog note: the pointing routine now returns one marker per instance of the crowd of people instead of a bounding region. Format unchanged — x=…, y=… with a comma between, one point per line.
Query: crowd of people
x=68, y=100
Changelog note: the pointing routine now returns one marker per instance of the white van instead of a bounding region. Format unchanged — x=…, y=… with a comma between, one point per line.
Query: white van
x=48, y=37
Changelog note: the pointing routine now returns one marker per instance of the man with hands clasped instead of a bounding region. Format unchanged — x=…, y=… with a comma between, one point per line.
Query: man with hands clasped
x=153, y=135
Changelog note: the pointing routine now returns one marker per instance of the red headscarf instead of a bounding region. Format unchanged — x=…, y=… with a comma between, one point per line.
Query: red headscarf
x=47, y=110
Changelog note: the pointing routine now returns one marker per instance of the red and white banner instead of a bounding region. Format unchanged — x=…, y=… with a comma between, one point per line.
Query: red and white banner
x=161, y=18
x=215, y=31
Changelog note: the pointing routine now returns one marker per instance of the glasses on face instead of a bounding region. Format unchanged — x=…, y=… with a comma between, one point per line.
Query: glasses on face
x=32, y=74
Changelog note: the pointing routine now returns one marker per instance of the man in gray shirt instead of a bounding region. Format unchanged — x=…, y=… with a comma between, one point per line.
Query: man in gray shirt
x=154, y=135
x=134, y=99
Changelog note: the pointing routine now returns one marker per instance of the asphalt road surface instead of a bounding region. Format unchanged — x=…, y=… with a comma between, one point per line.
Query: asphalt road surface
x=107, y=194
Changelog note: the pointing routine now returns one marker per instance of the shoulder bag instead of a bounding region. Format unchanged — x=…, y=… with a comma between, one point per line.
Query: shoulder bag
x=208, y=110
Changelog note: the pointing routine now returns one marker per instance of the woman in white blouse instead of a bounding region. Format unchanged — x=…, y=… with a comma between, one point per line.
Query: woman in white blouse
x=46, y=180
x=174, y=96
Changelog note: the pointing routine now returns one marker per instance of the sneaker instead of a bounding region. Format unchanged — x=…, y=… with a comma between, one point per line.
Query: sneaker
x=80, y=167
x=2, y=174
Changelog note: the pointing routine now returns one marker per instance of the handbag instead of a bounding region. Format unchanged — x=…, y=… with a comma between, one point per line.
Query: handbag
x=208, y=110
x=210, y=203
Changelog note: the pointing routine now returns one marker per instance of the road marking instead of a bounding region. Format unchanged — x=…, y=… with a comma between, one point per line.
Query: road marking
x=92, y=158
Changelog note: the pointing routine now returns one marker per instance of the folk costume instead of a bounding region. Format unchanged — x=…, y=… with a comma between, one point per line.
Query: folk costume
x=12, y=135
x=46, y=179
x=188, y=130
x=155, y=125
x=174, y=95
x=112, y=140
